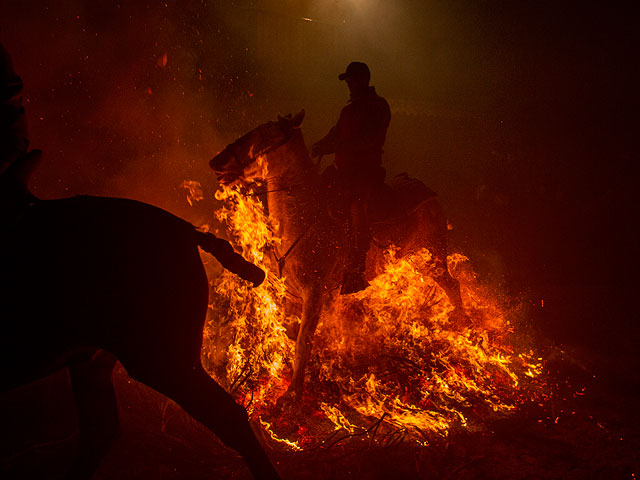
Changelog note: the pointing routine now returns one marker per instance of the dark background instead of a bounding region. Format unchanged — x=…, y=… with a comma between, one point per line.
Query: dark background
x=521, y=115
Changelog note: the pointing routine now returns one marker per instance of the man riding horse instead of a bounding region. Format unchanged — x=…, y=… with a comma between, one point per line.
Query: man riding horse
x=357, y=140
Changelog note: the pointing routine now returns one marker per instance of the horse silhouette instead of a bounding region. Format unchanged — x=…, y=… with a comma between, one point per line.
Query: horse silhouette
x=314, y=248
x=88, y=274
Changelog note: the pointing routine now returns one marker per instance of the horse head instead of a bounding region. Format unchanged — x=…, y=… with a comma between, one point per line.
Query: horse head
x=245, y=159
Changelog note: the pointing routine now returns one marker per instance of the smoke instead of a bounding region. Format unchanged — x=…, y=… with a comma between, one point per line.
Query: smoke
x=126, y=99
x=517, y=113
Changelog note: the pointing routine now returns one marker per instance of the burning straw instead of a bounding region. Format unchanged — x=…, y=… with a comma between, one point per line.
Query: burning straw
x=387, y=364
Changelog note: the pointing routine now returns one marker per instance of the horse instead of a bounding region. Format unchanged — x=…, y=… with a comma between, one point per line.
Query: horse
x=314, y=247
x=83, y=276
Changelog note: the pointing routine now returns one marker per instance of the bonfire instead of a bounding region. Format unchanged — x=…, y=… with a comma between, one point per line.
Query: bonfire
x=388, y=365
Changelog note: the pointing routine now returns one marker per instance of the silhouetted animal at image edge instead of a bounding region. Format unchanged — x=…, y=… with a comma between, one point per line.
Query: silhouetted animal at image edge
x=86, y=273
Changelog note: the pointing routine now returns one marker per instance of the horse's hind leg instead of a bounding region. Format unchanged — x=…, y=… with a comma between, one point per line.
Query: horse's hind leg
x=97, y=408
x=434, y=225
x=206, y=401
x=229, y=420
x=450, y=285
x=163, y=352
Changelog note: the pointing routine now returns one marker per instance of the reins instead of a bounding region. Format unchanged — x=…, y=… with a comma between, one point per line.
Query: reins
x=281, y=261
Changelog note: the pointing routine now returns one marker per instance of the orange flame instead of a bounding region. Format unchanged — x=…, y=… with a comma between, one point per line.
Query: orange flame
x=386, y=356
x=194, y=191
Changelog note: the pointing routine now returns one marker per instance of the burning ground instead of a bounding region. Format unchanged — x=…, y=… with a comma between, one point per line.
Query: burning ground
x=388, y=362
x=394, y=383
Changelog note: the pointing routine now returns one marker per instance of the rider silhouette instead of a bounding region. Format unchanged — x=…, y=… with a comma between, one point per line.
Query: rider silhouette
x=357, y=140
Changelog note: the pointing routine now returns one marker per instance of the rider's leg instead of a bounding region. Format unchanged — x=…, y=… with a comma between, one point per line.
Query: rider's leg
x=360, y=237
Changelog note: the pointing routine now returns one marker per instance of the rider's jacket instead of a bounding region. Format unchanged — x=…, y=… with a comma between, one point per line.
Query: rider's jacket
x=358, y=137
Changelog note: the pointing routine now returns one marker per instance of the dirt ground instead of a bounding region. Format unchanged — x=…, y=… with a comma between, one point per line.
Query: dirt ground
x=587, y=429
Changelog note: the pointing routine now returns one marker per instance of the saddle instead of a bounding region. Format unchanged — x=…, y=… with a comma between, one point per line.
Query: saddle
x=389, y=202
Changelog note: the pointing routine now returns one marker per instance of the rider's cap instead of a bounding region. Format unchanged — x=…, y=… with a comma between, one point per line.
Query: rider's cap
x=356, y=69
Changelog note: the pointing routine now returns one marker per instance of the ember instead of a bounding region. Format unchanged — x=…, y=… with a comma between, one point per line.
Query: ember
x=387, y=360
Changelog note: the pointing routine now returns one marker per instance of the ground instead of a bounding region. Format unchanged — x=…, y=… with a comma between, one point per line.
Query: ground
x=588, y=429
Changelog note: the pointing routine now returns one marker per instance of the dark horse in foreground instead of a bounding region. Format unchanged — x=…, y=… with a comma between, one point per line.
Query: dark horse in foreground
x=314, y=242
x=85, y=274
x=85, y=278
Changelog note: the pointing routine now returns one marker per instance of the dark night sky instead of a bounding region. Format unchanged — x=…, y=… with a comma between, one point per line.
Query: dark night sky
x=519, y=114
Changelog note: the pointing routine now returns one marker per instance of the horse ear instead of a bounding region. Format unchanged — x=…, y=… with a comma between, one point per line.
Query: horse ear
x=297, y=120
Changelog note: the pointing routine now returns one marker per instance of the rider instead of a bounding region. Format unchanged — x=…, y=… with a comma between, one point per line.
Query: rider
x=357, y=140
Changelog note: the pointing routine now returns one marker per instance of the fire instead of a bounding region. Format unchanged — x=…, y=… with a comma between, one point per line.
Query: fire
x=194, y=191
x=387, y=362
x=246, y=346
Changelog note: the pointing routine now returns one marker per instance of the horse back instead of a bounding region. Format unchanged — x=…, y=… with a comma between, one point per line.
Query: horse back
x=393, y=201
x=97, y=272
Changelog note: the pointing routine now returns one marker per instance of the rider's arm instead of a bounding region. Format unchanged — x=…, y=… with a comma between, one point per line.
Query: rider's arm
x=325, y=145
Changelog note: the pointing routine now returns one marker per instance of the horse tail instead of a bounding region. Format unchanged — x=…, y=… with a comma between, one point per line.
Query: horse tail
x=228, y=258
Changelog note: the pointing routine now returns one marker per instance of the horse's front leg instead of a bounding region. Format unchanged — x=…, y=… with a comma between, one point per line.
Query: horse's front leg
x=311, y=309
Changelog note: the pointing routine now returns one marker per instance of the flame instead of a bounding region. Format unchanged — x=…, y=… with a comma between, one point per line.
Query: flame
x=246, y=346
x=194, y=191
x=387, y=362
x=282, y=441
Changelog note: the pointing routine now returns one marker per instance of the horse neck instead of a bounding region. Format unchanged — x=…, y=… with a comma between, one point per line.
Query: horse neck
x=292, y=197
